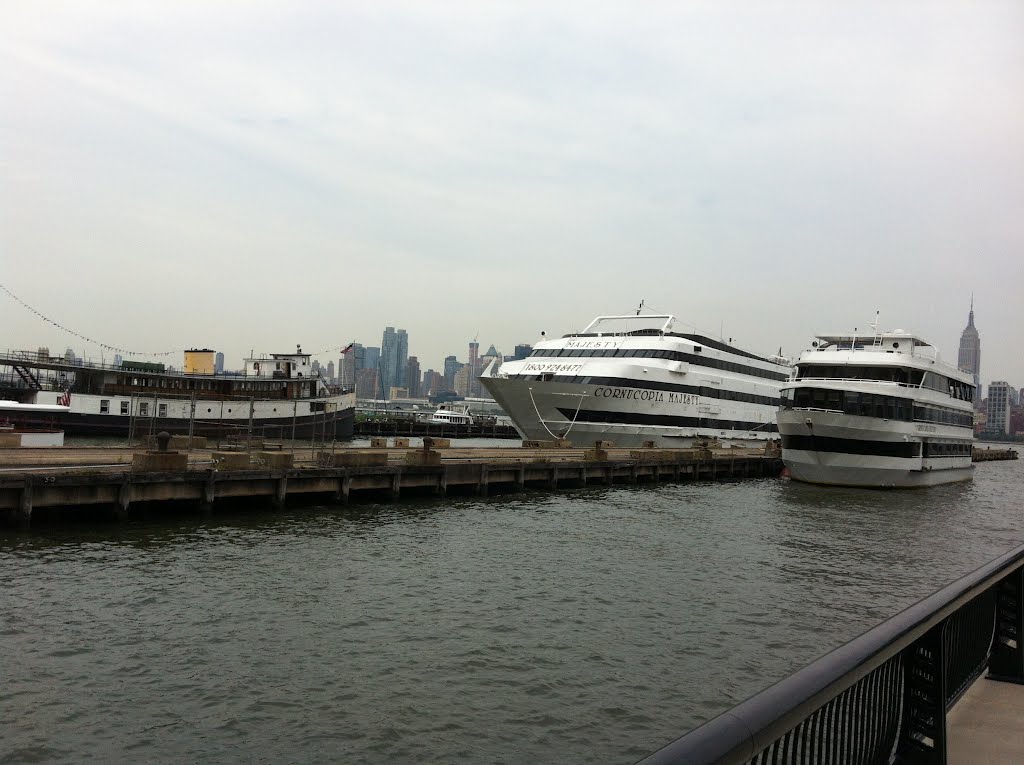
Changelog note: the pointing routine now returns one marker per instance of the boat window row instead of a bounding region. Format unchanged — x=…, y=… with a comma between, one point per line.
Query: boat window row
x=198, y=384
x=943, y=416
x=873, y=405
x=947, y=449
x=650, y=353
x=917, y=378
x=849, y=402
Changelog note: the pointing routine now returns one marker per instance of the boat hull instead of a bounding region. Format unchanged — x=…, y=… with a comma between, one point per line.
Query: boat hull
x=834, y=449
x=552, y=410
x=336, y=423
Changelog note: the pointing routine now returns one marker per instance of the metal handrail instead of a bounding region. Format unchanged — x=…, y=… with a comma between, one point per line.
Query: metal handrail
x=918, y=633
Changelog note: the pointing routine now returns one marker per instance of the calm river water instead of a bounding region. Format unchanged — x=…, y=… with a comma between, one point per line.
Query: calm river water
x=585, y=626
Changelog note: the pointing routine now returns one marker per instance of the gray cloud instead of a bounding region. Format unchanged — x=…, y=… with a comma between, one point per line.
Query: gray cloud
x=311, y=173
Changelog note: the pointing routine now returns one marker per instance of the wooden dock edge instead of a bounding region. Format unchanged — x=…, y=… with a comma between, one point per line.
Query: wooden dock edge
x=70, y=489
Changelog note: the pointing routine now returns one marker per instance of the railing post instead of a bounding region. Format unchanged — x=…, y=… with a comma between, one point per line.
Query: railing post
x=1007, y=662
x=923, y=732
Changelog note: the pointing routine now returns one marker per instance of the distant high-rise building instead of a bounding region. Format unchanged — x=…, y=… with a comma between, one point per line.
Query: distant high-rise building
x=388, y=358
x=998, y=419
x=451, y=368
x=330, y=370
x=969, y=358
x=433, y=382
x=412, y=377
x=402, y=357
x=218, y=362
x=367, y=383
x=394, y=352
x=118, y=360
x=522, y=352
x=474, y=369
x=351, y=361
x=463, y=380
x=371, y=357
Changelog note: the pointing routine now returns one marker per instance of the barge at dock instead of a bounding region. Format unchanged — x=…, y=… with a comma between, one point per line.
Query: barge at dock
x=277, y=396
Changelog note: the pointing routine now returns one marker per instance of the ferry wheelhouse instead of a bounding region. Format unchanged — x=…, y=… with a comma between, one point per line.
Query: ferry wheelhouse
x=880, y=411
x=634, y=379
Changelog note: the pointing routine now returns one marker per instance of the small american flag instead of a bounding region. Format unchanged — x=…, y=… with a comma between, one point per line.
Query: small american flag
x=64, y=399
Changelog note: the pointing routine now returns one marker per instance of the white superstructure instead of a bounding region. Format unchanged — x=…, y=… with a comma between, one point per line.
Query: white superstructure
x=882, y=410
x=632, y=379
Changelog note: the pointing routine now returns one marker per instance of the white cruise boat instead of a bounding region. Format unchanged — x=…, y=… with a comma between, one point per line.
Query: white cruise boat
x=632, y=379
x=451, y=414
x=878, y=411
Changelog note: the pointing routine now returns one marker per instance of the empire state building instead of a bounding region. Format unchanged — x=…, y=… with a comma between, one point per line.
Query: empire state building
x=970, y=352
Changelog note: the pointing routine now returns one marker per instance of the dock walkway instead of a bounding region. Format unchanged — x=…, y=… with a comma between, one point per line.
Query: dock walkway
x=986, y=726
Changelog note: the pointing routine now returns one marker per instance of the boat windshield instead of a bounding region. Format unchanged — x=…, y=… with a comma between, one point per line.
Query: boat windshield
x=625, y=325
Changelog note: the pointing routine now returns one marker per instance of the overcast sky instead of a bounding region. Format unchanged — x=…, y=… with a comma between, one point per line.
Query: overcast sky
x=251, y=176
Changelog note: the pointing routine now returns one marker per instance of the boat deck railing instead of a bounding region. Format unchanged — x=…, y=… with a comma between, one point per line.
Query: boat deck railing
x=884, y=696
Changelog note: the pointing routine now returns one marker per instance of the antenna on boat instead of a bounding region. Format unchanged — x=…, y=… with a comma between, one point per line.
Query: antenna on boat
x=874, y=327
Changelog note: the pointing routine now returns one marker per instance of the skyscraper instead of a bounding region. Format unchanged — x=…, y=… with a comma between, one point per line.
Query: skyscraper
x=394, y=353
x=388, y=359
x=351, y=361
x=998, y=421
x=451, y=367
x=402, y=338
x=472, y=387
x=412, y=377
x=969, y=358
x=371, y=358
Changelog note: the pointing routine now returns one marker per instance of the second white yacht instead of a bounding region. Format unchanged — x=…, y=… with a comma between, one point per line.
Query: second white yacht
x=877, y=411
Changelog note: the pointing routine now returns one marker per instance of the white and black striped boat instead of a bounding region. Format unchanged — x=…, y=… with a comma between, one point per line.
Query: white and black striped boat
x=878, y=411
x=276, y=396
x=632, y=379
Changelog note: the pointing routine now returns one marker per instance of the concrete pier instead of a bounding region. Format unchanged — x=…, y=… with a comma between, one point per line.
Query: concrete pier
x=67, y=479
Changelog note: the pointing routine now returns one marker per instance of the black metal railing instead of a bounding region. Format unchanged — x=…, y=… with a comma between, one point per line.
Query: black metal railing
x=883, y=697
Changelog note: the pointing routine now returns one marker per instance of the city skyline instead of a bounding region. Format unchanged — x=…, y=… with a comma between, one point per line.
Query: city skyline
x=308, y=174
x=968, y=354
